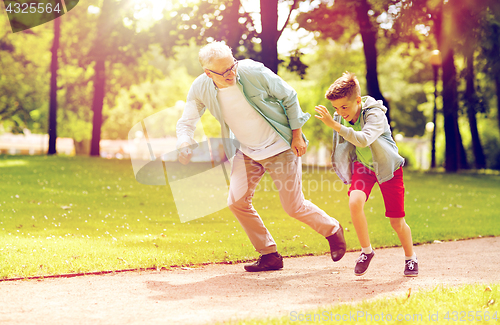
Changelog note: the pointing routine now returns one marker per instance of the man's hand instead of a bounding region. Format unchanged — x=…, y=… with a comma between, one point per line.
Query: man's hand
x=185, y=153
x=326, y=117
x=298, y=145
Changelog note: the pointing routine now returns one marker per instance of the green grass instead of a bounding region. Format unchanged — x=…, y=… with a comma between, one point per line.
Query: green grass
x=471, y=304
x=79, y=214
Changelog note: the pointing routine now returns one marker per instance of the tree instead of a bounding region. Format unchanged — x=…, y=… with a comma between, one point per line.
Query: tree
x=470, y=20
x=20, y=22
x=109, y=55
x=496, y=75
x=368, y=33
x=54, y=65
x=439, y=18
x=230, y=29
x=473, y=106
x=226, y=20
x=311, y=90
x=490, y=46
x=106, y=47
x=455, y=157
x=335, y=22
x=100, y=52
x=450, y=111
x=23, y=84
x=270, y=33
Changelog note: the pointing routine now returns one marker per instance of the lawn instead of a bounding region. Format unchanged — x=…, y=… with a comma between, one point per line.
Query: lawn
x=80, y=214
x=471, y=304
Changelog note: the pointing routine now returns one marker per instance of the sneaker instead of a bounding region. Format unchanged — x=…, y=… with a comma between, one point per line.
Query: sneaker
x=411, y=268
x=337, y=244
x=268, y=262
x=362, y=263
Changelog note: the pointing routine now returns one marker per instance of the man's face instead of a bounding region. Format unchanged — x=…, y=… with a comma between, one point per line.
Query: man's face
x=348, y=108
x=218, y=67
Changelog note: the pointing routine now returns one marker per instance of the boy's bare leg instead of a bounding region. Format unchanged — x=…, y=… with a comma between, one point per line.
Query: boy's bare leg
x=404, y=233
x=357, y=201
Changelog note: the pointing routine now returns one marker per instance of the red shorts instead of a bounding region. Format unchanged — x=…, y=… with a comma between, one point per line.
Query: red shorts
x=393, y=190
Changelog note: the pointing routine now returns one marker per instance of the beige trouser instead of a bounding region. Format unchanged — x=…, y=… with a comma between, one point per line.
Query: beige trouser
x=286, y=171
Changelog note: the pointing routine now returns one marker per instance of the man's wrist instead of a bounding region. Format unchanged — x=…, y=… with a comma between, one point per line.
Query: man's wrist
x=297, y=132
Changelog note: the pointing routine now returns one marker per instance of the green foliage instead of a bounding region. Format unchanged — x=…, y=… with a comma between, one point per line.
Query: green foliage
x=407, y=151
x=490, y=139
x=152, y=63
x=146, y=99
x=326, y=64
x=335, y=21
x=23, y=79
x=122, y=41
x=168, y=93
x=403, y=84
x=403, y=87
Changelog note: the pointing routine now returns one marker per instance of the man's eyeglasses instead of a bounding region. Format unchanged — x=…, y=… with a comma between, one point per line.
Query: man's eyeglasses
x=226, y=73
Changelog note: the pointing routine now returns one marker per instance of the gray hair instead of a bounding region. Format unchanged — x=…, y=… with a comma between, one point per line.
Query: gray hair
x=211, y=51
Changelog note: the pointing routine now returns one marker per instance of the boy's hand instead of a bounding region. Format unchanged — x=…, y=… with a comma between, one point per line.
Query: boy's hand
x=326, y=117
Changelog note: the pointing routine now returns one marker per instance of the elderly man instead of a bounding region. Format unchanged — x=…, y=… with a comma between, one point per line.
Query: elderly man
x=262, y=112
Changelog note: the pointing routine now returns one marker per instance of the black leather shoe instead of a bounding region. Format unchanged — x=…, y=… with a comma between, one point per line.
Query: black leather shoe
x=268, y=262
x=337, y=244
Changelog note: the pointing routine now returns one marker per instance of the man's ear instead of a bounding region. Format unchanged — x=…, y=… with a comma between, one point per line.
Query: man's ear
x=358, y=100
x=207, y=72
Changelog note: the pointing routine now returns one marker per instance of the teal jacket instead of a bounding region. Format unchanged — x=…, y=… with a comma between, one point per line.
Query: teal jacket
x=270, y=95
x=376, y=134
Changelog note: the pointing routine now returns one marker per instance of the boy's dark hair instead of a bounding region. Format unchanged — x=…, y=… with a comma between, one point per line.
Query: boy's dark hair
x=345, y=86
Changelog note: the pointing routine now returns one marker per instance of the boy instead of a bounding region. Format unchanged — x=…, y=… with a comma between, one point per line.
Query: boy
x=369, y=155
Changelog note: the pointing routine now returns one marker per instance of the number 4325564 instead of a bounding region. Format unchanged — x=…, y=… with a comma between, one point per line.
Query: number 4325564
x=463, y=316
x=32, y=8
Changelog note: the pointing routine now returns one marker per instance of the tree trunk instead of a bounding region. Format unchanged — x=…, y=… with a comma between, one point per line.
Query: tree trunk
x=450, y=111
x=97, y=104
x=495, y=73
x=497, y=84
x=53, y=88
x=470, y=95
x=463, y=164
x=437, y=29
x=434, y=118
x=269, y=34
x=455, y=157
x=369, y=36
x=99, y=54
x=230, y=31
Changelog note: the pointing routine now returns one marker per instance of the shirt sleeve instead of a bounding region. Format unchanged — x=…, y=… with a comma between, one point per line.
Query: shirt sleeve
x=282, y=91
x=372, y=129
x=192, y=113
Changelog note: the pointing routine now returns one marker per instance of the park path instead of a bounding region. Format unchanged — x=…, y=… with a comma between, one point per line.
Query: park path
x=218, y=292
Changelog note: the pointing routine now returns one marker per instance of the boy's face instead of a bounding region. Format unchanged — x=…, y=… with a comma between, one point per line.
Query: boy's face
x=348, y=108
